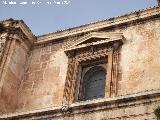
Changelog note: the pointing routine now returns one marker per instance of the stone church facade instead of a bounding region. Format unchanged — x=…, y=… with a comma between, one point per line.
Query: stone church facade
x=107, y=70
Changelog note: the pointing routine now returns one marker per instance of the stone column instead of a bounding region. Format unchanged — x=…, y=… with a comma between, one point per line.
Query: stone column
x=68, y=91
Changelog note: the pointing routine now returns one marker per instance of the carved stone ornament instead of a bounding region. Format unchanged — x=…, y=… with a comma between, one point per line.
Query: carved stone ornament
x=93, y=46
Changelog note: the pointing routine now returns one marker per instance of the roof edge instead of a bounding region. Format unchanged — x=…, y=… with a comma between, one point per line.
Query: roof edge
x=20, y=24
x=27, y=31
x=140, y=14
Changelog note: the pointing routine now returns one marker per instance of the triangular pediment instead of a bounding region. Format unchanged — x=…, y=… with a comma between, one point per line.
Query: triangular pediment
x=94, y=38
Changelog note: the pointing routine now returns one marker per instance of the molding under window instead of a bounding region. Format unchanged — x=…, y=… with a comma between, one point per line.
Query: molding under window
x=137, y=99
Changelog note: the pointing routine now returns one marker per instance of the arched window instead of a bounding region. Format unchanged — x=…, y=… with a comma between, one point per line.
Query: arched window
x=94, y=82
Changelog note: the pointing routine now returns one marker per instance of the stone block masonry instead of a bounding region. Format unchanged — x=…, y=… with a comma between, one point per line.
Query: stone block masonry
x=34, y=69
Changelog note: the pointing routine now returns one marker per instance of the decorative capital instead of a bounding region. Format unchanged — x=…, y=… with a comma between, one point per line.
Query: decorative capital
x=116, y=45
x=71, y=54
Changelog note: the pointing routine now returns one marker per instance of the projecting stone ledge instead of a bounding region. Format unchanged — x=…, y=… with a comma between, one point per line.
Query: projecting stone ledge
x=139, y=105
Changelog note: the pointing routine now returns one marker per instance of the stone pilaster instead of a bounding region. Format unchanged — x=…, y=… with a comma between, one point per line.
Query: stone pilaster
x=14, y=49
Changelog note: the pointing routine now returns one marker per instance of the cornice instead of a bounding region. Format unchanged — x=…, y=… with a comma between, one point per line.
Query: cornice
x=19, y=25
x=26, y=31
x=103, y=38
x=128, y=18
x=89, y=106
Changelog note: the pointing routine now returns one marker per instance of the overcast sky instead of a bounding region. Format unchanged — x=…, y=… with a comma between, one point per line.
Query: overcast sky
x=44, y=16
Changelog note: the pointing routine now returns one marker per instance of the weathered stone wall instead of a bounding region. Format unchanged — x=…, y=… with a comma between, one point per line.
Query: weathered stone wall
x=45, y=78
x=32, y=80
x=12, y=73
x=140, y=66
x=140, y=58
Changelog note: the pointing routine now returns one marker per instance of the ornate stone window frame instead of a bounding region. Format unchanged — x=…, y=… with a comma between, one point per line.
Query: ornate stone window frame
x=106, y=46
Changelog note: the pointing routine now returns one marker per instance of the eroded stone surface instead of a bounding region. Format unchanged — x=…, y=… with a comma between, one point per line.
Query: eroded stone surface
x=32, y=77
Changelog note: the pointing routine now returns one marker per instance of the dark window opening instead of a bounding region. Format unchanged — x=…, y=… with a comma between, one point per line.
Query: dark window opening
x=94, y=82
